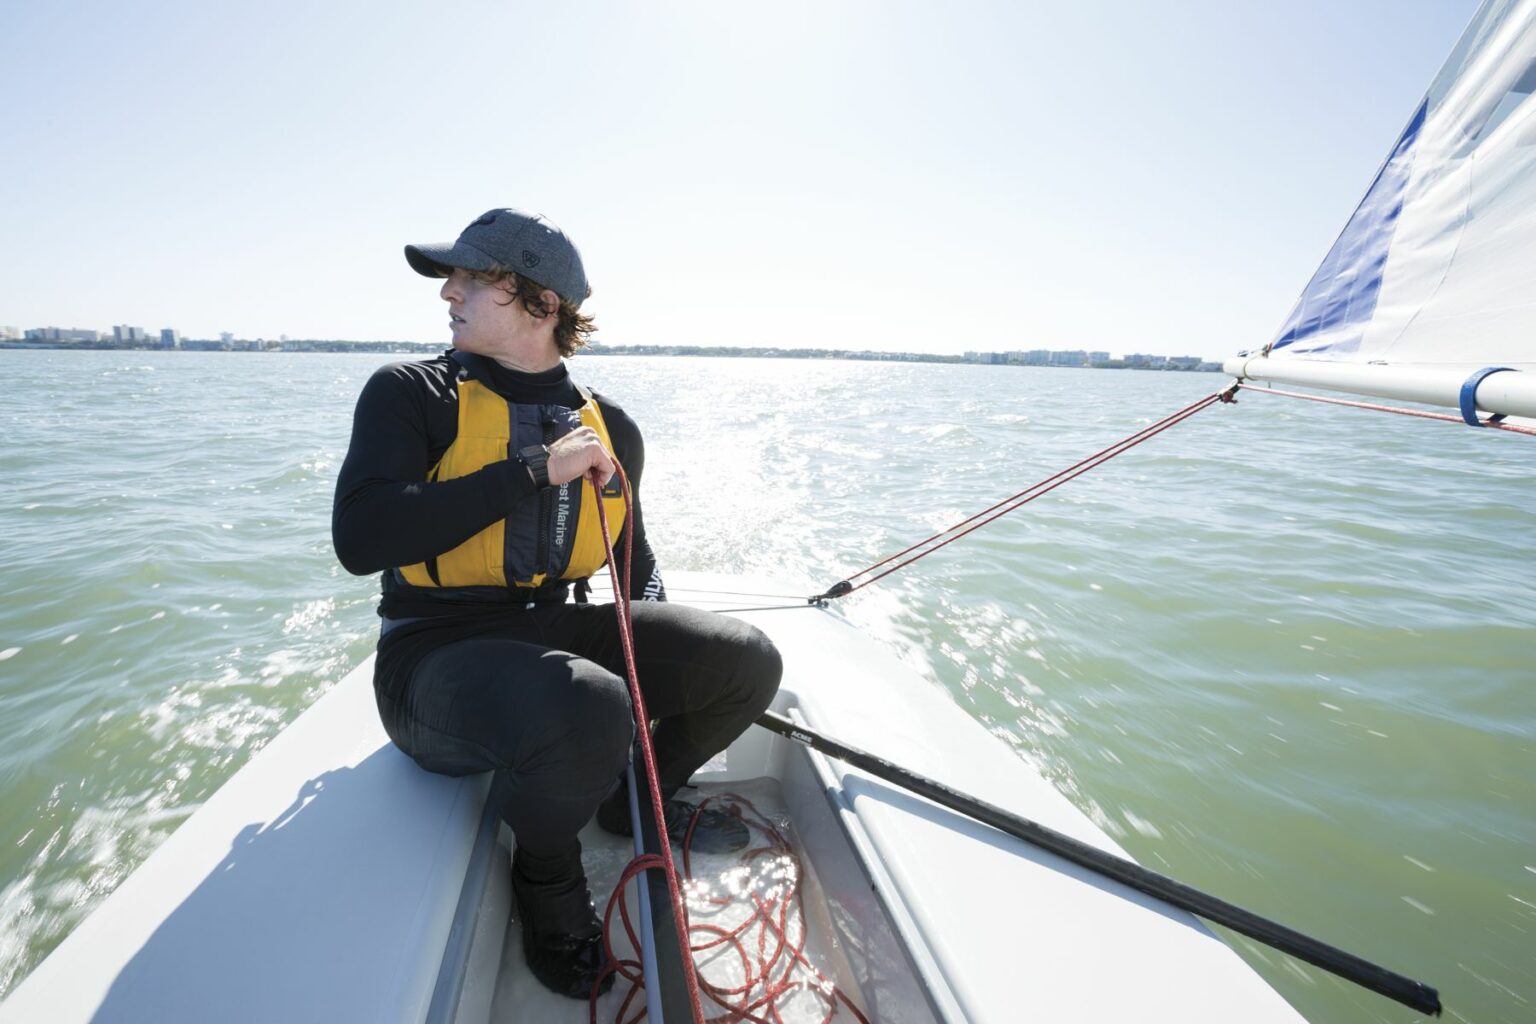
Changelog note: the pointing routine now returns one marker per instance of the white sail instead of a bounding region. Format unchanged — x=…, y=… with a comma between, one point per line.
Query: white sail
x=1434, y=276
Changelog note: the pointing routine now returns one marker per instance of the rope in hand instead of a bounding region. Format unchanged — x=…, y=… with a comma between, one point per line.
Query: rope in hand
x=648, y=752
x=771, y=913
x=953, y=533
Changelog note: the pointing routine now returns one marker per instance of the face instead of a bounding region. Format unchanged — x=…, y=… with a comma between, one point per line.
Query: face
x=483, y=317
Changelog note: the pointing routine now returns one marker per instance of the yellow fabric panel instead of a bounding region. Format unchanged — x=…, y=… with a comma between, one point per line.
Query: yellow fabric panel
x=483, y=436
x=416, y=575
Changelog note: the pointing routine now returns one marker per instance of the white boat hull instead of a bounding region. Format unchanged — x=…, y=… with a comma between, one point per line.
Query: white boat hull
x=332, y=880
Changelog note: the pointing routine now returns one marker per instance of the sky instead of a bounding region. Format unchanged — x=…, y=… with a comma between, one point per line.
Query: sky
x=872, y=174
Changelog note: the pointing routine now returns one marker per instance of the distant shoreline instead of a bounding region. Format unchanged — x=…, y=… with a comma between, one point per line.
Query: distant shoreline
x=1174, y=364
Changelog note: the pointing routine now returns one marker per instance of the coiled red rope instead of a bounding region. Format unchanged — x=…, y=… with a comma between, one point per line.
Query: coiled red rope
x=768, y=944
x=779, y=967
x=778, y=917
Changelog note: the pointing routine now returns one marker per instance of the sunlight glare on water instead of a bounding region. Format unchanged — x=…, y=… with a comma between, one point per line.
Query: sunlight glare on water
x=1281, y=652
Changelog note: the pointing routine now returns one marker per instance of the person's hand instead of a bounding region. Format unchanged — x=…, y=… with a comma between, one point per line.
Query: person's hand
x=577, y=454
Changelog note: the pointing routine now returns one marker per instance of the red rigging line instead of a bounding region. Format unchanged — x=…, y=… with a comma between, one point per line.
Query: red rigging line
x=642, y=722
x=757, y=999
x=949, y=534
x=997, y=511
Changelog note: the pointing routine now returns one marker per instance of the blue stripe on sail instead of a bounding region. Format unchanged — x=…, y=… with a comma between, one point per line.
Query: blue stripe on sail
x=1341, y=297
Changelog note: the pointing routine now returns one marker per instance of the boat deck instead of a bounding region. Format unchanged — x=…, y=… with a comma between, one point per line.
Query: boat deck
x=332, y=880
x=720, y=892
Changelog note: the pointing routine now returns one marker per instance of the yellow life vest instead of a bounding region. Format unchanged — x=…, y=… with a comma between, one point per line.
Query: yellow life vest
x=555, y=533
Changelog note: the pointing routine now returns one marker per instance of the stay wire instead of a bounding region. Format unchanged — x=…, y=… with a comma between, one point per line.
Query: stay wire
x=1009, y=504
x=766, y=608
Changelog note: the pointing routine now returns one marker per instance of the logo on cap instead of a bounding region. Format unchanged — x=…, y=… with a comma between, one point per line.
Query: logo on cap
x=530, y=259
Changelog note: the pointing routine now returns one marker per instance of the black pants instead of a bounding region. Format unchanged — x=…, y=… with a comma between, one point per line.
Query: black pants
x=541, y=700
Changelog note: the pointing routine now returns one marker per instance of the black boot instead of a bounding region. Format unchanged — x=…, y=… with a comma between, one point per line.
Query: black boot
x=562, y=935
x=714, y=832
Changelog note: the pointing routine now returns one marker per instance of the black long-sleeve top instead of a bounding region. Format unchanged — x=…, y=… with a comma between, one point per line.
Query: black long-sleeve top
x=387, y=515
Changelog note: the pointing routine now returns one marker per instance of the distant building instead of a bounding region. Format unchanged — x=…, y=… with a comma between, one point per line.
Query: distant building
x=1098, y=357
x=124, y=333
x=986, y=358
x=1035, y=357
x=62, y=334
x=169, y=338
x=226, y=337
x=10, y=333
x=1074, y=358
x=1182, y=362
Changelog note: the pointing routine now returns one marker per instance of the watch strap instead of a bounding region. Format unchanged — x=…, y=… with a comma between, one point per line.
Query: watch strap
x=536, y=458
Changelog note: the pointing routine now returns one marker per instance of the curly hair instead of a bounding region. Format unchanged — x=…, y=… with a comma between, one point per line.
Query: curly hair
x=572, y=329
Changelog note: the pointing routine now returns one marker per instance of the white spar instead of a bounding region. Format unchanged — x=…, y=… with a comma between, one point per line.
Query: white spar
x=1512, y=394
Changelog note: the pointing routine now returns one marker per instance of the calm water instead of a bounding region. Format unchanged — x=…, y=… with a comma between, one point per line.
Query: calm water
x=1283, y=652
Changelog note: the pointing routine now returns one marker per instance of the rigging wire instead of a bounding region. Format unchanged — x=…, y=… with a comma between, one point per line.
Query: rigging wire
x=767, y=608
x=949, y=534
x=953, y=533
x=798, y=599
x=743, y=594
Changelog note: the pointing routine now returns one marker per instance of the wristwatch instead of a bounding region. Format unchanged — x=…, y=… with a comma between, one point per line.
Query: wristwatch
x=536, y=458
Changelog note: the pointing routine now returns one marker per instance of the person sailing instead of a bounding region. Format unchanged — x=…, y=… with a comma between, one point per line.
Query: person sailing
x=466, y=485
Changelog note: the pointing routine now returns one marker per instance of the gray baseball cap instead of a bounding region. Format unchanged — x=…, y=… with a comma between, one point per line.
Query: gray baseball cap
x=524, y=243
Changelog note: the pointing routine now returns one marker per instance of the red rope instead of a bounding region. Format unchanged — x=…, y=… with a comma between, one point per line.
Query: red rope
x=953, y=533
x=757, y=999
x=1420, y=413
x=1035, y=490
x=642, y=725
x=772, y=914
x=777, y=969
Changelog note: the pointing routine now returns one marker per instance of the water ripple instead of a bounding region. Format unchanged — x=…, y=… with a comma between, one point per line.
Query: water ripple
x=1281, y=653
